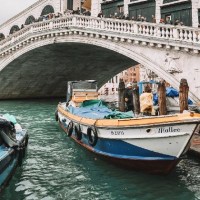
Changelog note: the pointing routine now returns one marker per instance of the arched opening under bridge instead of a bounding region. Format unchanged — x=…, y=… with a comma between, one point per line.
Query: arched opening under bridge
x=44, y=71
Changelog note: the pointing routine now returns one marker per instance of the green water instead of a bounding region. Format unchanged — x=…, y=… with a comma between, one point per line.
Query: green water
x=57, y=168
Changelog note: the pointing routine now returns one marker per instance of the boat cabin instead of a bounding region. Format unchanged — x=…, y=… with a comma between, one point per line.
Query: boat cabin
x=79, y=91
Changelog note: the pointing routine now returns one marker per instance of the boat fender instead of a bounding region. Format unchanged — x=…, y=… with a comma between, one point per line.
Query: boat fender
x=70, y=128
x=21, y=155
x=92, y=136
x=78, y=133
x=56, y=115
x=26, y=140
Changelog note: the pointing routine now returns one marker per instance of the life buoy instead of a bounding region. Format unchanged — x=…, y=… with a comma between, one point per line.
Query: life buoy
x=70, y=129
x=92, y=136
x=78, y=133
x=56, y=115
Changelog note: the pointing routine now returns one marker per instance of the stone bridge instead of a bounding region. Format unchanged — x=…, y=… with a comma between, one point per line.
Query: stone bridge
x=38, y=60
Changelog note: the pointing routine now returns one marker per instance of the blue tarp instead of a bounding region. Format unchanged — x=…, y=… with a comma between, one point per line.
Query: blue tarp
x=97, y=109
x=170, y=92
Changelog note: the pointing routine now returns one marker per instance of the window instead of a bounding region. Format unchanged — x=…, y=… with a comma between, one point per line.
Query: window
x=29, y=20
x=47, y=9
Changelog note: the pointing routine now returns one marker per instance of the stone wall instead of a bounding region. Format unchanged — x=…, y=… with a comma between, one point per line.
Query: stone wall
x=76, y=4
x=96, y=7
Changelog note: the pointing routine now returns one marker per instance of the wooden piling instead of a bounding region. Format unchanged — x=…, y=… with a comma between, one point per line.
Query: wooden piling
x=121, y=91
x=183, y=95
x=136, y=99
x=162, y=98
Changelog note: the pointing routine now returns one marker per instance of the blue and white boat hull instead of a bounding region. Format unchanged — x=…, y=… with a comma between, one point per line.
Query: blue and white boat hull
x=154, y=144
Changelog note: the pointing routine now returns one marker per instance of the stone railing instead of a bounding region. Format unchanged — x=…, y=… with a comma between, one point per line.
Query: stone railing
x=128, y=29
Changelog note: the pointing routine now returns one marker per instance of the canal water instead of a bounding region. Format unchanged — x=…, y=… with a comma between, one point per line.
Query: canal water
x=57, y=168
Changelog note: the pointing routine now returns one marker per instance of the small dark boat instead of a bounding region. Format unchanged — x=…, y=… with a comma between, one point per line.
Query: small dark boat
x=13, y=143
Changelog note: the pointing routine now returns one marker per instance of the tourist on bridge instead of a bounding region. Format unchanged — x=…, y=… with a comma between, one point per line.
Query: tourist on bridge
x=128, y=97
x=168, y=20
x=153, y=19
x=100, y=14
x=139, y=18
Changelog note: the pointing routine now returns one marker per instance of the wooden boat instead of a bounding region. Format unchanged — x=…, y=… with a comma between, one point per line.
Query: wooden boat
x=152, y=144
x=13, y=142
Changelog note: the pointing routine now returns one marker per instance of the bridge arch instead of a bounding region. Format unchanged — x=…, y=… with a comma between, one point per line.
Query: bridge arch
x=30, y=20
x=122, y=48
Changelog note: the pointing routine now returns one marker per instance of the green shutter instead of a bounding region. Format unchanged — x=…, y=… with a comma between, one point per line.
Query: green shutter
x=111, y=7
x=181, y=11
x=146, y=9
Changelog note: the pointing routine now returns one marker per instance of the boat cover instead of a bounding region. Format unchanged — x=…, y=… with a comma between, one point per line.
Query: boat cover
x=10, y=118
x=170, y=92
x=98, y=109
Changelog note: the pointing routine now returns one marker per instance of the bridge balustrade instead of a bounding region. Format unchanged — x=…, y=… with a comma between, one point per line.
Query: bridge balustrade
x=127, y=28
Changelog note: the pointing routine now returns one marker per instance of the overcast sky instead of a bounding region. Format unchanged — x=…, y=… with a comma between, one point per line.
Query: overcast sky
x=9, y=8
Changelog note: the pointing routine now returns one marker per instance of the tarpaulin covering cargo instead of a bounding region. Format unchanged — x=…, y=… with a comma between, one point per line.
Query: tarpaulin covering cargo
x=98, y=109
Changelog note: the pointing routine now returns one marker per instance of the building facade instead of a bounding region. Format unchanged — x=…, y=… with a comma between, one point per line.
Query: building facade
x=130, y=75
x=185, y=12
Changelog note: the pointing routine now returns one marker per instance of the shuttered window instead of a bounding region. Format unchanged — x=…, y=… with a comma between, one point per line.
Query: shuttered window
x=145, y=9
x=181, y=11
x=70, y=4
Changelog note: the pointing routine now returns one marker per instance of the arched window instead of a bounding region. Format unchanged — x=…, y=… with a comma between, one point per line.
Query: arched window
x=14, y=29
x=30, y=20
x=2, y=36
x=47, y=9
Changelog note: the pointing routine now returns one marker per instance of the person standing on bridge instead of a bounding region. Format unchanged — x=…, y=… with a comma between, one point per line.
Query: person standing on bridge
x=100, y=14
x=128, y=97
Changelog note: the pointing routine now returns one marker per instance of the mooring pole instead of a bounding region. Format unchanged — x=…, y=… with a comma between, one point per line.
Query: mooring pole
x=121, y=91
x=183, y=95
x=162, y=98
x=136, y=98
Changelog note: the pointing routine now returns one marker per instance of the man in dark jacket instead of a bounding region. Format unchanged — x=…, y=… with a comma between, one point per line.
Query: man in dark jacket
x=128, y=97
